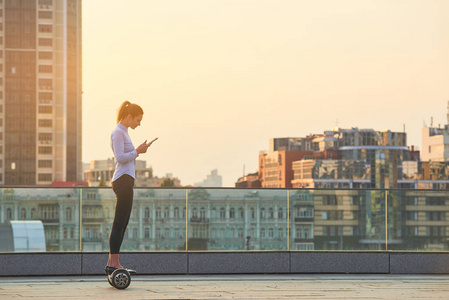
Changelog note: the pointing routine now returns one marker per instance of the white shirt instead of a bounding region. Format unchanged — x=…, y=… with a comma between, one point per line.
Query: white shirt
x=124, y=152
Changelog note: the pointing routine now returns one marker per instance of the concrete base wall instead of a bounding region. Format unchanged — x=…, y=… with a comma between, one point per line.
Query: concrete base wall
x=165, y=263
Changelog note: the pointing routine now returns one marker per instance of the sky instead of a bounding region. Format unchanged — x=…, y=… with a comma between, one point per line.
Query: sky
x=218, y=79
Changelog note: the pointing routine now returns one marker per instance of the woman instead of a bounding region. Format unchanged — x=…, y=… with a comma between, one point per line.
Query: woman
x=129, y=116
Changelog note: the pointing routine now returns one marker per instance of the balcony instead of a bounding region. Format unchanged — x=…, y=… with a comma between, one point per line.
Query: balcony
x=199, y=220
x=303, y=219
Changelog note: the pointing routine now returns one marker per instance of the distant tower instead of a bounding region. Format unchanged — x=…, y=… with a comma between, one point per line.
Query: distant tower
x=448, y=112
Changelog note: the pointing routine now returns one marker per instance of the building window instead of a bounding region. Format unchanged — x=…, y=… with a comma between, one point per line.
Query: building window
x=45, y=109
x=232, y=213
x=147, y=213
x=45, y=55
x=45, y=42
x=45, y=69
x=45, y=2
x=330, y=200
x=176, y=213
x=45, y=123
x=45, y=163
x=45, y=28
x=435, y=201
x=147, y=233
x=203, y=213
x=45, y=150
x=45, y=137
x=45, y=84
x=45, y=177
x=45, y=14
x=411, y=200
x=8, y=214
x=167, y=213
x=222, y=213
x=262, y=232
x=45, y=97
x=33, y=213
x=23, y=214
x=68, y=214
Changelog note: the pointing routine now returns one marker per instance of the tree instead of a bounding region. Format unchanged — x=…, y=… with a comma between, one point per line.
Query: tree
x=102, y=183
x=168, y=183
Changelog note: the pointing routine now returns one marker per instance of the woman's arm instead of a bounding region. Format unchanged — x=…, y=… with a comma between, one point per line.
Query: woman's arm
x=118, y=146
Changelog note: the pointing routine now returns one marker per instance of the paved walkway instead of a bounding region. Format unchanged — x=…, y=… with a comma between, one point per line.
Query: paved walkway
x=231, y=287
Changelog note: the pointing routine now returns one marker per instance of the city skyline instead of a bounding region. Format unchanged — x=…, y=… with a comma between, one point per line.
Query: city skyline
x=218, y=79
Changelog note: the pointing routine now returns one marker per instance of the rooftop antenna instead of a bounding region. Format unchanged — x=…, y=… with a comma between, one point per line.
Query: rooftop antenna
x=404, y=128
x=431, y=121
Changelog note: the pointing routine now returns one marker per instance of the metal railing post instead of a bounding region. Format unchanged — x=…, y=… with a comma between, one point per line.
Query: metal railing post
x=288, y=220
x=81, y=218
x=187, y=219
x=386, y=220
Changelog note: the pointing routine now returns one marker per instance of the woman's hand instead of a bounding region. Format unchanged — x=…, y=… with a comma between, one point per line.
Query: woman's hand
x=143, y=147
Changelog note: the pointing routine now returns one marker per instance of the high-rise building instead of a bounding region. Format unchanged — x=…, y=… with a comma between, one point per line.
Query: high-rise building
x=40, y=91
x=435, y=141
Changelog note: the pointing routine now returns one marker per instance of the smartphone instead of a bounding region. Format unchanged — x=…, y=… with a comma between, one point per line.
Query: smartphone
x=152, y=141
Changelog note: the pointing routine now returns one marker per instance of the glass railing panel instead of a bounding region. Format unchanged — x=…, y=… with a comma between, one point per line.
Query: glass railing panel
x=337, y=220
x=237, y=219
x=417, y=220
x=157, y=221
x=39, y=219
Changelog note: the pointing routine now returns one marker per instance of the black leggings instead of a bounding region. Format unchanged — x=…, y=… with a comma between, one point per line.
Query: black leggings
x=123, y=189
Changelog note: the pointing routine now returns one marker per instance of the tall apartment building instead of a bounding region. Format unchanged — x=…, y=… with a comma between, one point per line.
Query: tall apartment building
x=40, y=91
x=435, y=142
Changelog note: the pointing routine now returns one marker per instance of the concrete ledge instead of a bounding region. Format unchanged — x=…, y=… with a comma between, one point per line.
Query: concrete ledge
x=239, y=262
x=143, y=263
x=40, y=264
x=327, y=262
x=83, y=263
x=419, y=263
